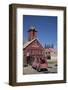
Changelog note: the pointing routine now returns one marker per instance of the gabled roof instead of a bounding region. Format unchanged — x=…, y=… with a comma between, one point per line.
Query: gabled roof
x=29, y=42
x=49, y=49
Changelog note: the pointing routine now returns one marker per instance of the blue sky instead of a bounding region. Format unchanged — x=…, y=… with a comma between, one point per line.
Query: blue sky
x=46, y=27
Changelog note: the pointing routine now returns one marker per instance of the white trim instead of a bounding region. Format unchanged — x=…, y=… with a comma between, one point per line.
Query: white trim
x=19, y=68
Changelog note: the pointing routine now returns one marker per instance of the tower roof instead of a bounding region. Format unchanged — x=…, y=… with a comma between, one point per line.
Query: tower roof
x=32, y=28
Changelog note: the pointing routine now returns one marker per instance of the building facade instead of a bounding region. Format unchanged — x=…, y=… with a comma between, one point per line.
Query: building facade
x=51, y=53
x=32, y=49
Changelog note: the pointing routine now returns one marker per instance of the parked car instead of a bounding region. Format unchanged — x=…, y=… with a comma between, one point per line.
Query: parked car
x=40, y=64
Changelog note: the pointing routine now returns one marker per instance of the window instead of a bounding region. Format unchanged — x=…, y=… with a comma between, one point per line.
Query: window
x=46, y=52
x=49, y=52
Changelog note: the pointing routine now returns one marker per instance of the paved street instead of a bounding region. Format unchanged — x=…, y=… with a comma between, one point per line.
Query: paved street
x=30, y=70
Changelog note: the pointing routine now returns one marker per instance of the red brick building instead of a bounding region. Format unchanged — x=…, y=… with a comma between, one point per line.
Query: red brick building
x=32, y=49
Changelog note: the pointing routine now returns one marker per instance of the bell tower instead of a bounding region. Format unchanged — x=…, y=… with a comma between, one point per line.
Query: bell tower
x=32, y=33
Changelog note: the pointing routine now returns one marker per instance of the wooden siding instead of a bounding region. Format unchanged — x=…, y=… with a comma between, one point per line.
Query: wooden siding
x=34, y=49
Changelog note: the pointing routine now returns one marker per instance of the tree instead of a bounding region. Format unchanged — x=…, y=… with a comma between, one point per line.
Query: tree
x=52, y=46
x=45, y=45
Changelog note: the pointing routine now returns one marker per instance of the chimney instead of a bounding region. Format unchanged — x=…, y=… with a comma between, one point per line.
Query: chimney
x=32, y=33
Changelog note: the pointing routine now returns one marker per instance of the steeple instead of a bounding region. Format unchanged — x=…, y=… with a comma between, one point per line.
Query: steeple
x=32, y=33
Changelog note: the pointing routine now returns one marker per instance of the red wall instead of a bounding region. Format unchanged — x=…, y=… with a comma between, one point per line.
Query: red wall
x=34, y=48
